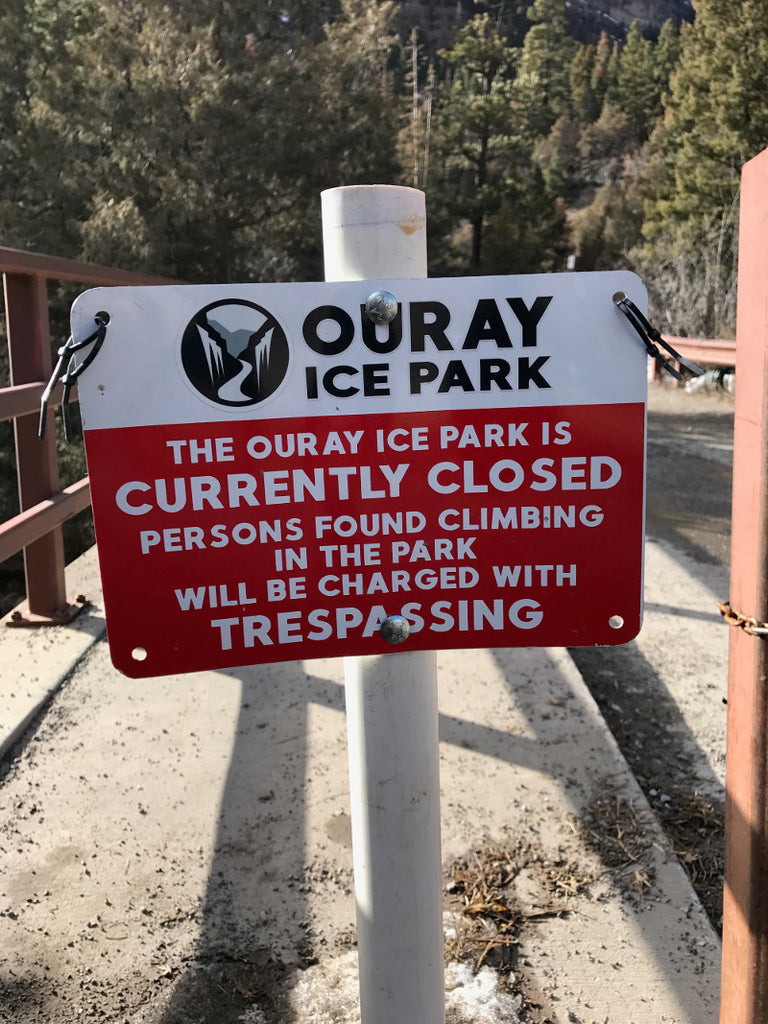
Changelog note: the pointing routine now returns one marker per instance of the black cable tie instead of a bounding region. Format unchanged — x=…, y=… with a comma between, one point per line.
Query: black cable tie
x=651, y=338
x=64, y=374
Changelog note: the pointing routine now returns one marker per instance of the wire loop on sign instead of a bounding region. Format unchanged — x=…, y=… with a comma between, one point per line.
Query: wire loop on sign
x=748, y=623
x=651, y=338
x=62, y=374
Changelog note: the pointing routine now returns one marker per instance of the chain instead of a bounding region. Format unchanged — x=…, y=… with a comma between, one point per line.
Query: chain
x=747, y=623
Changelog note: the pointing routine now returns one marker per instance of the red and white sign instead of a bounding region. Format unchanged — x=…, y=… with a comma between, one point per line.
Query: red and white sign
x=272, y=475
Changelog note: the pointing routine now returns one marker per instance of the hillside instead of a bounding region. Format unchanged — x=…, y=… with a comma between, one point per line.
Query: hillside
x=437, y=20
x=615, y=16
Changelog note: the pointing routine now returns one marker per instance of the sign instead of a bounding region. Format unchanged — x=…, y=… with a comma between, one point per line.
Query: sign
x=273, y=474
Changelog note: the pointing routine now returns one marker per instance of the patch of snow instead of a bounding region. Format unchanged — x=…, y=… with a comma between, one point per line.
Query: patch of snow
x=477, y=998
x=253, y=1015
x=328, y=994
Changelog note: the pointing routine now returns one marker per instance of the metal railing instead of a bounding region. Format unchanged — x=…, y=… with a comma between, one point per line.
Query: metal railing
x=704, y=351
x=43, y=505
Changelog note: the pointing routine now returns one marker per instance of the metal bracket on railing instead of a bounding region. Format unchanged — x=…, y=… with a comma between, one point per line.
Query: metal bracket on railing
x=63, y=374
x=24, y=619
x=651, y=338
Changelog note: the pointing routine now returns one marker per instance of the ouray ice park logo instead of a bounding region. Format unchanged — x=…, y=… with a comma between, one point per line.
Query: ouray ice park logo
x=235, y=353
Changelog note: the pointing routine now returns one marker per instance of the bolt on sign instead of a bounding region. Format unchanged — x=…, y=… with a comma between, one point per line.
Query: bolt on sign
x=274, y=474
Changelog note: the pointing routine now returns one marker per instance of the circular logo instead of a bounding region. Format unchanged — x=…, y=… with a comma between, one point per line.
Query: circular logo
x=234, y=353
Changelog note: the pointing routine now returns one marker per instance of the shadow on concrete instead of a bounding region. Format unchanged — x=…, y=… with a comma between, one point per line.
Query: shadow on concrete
x=570, y=759
x=236, y=965
x=257, y=934
x=255, y=926
x=665, y=758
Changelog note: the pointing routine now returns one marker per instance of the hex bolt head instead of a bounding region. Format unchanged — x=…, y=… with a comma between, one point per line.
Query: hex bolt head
x=395, y=629
x=381, y=307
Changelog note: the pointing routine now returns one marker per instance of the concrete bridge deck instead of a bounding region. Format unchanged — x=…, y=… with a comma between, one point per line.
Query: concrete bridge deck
x=177, y=849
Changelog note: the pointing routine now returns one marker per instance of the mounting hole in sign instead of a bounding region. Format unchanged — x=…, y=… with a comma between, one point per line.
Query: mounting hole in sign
x=139, y=654
x=616, y=622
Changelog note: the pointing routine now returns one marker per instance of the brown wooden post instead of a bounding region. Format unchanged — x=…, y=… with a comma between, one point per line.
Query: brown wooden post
x=744, y=998
x=26, y=303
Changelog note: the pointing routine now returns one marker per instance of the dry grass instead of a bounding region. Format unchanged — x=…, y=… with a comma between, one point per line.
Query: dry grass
x=622, y=835
x=696, y=830
x=489, y=916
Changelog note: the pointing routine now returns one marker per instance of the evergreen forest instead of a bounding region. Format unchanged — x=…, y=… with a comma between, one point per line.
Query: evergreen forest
x=194, y=139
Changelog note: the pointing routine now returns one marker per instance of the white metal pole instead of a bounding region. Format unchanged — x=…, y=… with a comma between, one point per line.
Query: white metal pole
x=379, y=232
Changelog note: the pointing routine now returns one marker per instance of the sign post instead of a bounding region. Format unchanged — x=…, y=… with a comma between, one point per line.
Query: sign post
x=373, y=232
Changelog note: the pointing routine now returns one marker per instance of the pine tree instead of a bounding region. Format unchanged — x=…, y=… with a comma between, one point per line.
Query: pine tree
x=528, y=232
x=42, y=189
x=604, y=146
x=627, y=88
x=558, y=158
x=194, y=140
x=593, y=76
x=584, y=101
x=637, y=90
x=606, y=69
x=352, y=96
x=542, y=89
x=716, y=119
x=666, y=55
x=603, y=233
x=474, y=130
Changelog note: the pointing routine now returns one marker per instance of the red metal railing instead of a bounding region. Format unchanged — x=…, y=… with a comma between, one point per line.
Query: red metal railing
x=705, y=351
x=43, y=505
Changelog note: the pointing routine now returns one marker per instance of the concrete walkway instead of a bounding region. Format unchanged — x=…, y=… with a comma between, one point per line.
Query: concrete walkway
x=177, y=849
